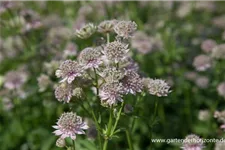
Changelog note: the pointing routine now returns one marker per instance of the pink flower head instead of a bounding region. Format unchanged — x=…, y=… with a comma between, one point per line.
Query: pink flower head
x=68, y=125
x=69, y=70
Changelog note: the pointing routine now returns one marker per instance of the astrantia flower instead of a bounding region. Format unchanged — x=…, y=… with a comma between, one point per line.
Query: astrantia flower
x=14, y=79
x=70, y=50
x=69, y=70
x=192, y=142
x=202, y=82
x=64, y=92
x=86, y=31
x=202, y=62
x=90, y=57
x=219, y=21
x=191, y=75
x=125, y=28
x=78, y=92
x=51, y=66
x=141, y=42
x=60, y=142
x=110, y=94
x=116, y=51
x=156, y=87
x=218, y=52
x=43, y=82
x=131, y=82
x=203, y=115
x=221, y=89
x=129, y=64
x=208, y=45
x=220, y=145
x=220, y=115
x=69, y=124
x=111, y=74
x=107, y=26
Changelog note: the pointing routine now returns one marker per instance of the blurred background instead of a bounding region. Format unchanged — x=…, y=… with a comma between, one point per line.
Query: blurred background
x=181, y=42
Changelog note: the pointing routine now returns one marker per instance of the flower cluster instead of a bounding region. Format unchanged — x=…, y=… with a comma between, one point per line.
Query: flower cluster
x=108, y=69
x=220, y=117
x=192, y=142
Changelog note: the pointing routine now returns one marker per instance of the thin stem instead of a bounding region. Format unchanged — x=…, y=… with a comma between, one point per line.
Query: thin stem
x=139, y=98
x=109, y=128
x=98, y=128
x=117, y=118
x=96, y=82
x=74, y=146
x=129, y=139
x=108, y=37
x=110, y=123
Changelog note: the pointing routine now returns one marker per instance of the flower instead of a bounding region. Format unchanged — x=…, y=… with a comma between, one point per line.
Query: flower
x=191, y=75
x=14, y=79
x=219, y=21
x=60, y=142
x=141, y=42
x=202, y=82
x=221, y=89
x=64, y=92
x=192, y=142
x=107, y=26
x=110, y=93
x=220, y=115
x=202, y=62
x=219, y=145
x=70, y=50
x=43, y=82
x=90, y=57
x=69, y=70
x=156, y=87
x=78, y=92
x=129, y=64
x=7, y=104
x=111, y=74
x=218, y=52
x=125, y=28
x=208, y=45
x=203, y=115
x=68, y=125
x=86, y=31
x=131, y=82
x=115, y=51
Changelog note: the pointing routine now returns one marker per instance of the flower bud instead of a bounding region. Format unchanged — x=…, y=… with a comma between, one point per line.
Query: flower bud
x=86, y=31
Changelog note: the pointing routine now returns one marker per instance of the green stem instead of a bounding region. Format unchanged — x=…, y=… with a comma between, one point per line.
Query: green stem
x=139, y=98
x=117, y=119
x=109, y=128
x=98, y=128
x=129, y=140
x=74, y=147
x=108, y=37
x=105, y=145
x=109, y=123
